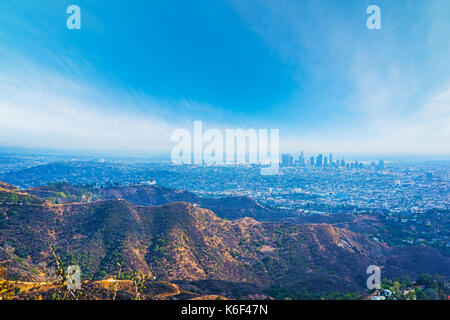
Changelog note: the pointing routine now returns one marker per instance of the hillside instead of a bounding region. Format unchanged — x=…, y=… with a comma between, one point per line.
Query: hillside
x=230, y=208
x=104, y=290
x=181, y=241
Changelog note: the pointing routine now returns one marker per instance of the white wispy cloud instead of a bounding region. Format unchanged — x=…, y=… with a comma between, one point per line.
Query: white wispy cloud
x=67, y=108
x=45, y=109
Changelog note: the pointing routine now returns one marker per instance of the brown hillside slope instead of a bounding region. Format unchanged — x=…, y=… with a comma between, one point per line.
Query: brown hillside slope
x=182, y=241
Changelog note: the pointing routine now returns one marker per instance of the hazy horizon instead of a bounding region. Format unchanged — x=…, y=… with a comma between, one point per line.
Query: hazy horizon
x=164, y=157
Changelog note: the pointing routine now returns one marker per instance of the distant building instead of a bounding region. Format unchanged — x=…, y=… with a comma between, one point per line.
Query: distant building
x=301, y=159
x=147, y=183
x=319, y=160
x=381, y=164
x=287, y=160
x=284, y=160
x=311, y=161
x=290, y=161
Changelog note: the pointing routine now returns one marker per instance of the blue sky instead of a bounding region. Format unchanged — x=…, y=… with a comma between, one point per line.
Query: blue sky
x=138, y=70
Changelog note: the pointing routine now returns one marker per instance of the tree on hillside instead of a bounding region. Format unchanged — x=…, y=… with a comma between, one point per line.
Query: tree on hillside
x=431, y=294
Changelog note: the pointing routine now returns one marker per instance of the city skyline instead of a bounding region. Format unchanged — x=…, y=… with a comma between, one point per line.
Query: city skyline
x=321, y=160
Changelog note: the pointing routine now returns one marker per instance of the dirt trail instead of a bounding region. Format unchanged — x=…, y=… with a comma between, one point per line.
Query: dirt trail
x=176, y=291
